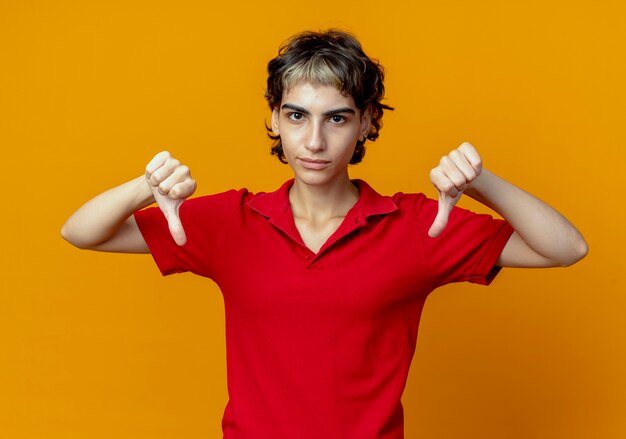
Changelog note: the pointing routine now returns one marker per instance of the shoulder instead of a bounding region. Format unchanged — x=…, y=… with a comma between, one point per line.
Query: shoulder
x=237, y=202
x=414, y=203
x=407, y=198
x=227, y=199
x=201, y=210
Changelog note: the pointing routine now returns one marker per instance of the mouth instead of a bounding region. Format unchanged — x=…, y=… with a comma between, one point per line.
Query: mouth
x=309, y=163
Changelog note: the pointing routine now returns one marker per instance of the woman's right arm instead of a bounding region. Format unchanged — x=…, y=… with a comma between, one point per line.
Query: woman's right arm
x=106, y=222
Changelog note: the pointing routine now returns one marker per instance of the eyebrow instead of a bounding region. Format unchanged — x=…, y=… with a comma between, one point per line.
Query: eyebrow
x=326, y=113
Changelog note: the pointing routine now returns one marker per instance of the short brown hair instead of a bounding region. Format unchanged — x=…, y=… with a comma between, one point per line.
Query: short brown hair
x=331, y=57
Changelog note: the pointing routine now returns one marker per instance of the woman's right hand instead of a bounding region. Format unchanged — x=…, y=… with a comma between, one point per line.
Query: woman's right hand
x=171, y=183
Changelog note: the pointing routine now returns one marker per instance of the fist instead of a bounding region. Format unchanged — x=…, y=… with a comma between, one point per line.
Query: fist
x=454, y=174
x=170, y=183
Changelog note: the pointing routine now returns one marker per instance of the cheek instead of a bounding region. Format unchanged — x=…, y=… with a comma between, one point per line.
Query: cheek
x=348, y=149
x=349, y=140
x=292, y=135
x=289, y=142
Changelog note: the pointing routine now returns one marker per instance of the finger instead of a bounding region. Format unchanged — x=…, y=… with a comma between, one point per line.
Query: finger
x=442, y=182
x=164, y=172
x=176, y=227
x=464, y=165
x=446, y=203
x=182, y=190
x=470, y=152
x=441, y=220
x=178, y=176
x=451, y=171
x=156, y=162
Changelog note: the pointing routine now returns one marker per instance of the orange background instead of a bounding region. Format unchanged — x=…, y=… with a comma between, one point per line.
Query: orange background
x=101, y=346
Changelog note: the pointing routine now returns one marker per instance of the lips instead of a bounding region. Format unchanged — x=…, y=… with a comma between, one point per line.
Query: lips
x=316, y=164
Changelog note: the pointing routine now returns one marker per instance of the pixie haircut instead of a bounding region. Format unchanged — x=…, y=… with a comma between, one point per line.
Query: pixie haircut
x=331, y=57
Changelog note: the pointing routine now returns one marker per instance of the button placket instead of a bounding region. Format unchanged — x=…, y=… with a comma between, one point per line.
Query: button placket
x=307, y=258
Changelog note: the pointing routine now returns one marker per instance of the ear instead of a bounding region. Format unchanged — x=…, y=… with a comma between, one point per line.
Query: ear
x=366, y=122
x=275, y=129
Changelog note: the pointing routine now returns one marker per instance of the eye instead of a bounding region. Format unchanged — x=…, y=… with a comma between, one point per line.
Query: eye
x=294, y=115
x=336, y=118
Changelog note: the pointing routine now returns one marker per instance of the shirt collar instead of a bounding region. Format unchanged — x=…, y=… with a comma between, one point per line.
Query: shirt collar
x=370, y=202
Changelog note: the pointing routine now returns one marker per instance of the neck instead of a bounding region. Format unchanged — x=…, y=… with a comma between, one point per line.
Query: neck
x=322, y=202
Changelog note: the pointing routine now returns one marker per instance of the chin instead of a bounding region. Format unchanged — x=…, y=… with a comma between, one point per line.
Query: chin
x=312, y=180
x=317, y=178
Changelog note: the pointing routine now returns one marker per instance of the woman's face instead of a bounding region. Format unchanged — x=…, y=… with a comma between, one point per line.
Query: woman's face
x=318, y=128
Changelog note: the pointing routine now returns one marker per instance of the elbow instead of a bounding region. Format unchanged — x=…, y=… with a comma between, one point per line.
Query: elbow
x=66, y=233
x=580, y=249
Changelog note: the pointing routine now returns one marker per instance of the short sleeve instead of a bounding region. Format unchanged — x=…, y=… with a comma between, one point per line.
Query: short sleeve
x=467, y=249
x=204, y=220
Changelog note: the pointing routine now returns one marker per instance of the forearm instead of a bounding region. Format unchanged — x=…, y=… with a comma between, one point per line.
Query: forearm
x=102, y=217
x=547, y=233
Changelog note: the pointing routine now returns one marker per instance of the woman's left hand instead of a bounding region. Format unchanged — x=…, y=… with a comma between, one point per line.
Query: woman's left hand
x=454, y=174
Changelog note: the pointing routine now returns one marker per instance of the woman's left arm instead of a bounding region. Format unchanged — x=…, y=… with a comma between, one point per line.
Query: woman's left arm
x=542, y=238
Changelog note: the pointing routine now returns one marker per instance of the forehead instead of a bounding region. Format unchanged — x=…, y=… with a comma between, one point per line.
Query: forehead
x=310, y=94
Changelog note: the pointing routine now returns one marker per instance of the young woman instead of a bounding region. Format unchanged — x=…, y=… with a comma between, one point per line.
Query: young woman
x=324, y=279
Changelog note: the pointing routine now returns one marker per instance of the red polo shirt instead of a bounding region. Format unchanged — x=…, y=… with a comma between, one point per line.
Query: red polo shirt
x=319, y=345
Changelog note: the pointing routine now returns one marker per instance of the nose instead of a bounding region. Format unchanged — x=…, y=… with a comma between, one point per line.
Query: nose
x=315, y=141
